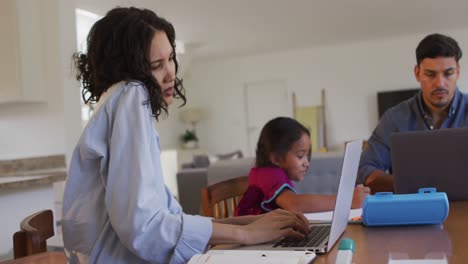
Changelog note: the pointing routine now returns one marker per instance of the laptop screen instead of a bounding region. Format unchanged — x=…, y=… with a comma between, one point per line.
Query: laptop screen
x=435, y=158
x=345, y=190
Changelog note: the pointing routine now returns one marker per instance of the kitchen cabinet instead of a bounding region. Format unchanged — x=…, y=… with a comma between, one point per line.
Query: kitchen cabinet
x=22, y=71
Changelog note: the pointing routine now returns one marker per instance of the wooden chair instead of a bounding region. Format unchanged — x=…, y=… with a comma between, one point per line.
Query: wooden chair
x=220, y=199
x=34, y=231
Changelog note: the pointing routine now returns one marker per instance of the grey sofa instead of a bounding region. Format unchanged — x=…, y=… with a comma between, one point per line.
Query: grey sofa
x=322, y=177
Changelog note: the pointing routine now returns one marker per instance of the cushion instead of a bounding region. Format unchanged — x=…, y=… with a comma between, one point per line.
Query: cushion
x=201, y=161
x=232, y=155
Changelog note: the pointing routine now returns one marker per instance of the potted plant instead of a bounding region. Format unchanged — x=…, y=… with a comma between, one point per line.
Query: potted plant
x=189, y=139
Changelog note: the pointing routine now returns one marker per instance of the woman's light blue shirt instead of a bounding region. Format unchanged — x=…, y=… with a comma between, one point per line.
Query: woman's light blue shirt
x=116, y=207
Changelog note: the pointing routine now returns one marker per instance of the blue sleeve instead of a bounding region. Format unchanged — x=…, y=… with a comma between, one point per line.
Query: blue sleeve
x=377, y=154
x=143, y=212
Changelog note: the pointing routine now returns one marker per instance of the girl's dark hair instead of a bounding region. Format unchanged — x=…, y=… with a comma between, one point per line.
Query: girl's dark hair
x=118, y=50
x=277, y=137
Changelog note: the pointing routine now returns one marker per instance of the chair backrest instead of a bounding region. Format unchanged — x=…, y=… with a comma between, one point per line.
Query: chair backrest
x=34, y=231
x=220, y=199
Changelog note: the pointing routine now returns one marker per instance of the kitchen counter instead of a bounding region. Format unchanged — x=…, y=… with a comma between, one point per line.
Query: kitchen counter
x=32, y=178
x=26, y=186
x=31, y=172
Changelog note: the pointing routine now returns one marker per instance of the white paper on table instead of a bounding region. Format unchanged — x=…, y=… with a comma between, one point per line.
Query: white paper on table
x=327, y=216
x=253, y=257
x=417, y=261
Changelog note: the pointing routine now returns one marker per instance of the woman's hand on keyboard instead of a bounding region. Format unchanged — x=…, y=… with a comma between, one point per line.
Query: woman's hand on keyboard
x=274, y=225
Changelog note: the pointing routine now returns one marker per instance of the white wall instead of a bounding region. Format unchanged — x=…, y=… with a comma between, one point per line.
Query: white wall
x=351, y=75
x=53, y=127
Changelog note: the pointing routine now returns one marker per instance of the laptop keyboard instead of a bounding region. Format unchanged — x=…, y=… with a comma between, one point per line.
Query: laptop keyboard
x=314, y=239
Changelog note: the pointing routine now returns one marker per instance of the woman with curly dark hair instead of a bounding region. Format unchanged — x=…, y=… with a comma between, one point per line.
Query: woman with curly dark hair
x=116, y=207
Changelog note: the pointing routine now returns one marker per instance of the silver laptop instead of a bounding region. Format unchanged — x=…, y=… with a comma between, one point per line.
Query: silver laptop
x=323, y=236
x=435, y=158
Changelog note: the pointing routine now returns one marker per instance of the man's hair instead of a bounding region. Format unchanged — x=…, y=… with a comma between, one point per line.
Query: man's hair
x=118, y=50
x=437, y=45
x=278, y=137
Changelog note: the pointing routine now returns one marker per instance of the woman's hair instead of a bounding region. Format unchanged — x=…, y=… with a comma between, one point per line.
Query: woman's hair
x=118, y=50
x=278, y=137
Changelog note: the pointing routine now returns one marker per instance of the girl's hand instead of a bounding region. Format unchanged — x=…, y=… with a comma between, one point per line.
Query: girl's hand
x=360, y=194
x=274, y=225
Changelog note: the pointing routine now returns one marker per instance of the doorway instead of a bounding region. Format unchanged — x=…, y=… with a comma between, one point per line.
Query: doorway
x=265, y=100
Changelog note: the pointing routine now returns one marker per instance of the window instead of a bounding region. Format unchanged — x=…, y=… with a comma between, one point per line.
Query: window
x=84, y=21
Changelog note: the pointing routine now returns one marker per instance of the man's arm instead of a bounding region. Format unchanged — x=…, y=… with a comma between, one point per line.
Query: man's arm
x=379, y=181
x=376, y=158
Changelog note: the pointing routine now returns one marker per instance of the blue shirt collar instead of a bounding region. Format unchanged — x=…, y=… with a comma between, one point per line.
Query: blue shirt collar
x=455, y=102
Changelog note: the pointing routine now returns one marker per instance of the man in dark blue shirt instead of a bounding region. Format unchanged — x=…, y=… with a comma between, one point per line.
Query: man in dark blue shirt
x=439, y=104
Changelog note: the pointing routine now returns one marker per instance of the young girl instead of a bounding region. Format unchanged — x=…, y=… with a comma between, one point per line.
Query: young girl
x=116, y=207
x=283, y=153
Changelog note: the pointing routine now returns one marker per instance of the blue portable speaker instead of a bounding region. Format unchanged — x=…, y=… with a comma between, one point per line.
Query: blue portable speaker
x=388, y=209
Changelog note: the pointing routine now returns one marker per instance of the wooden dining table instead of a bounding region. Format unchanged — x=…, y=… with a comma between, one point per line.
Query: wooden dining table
x=448, y=240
